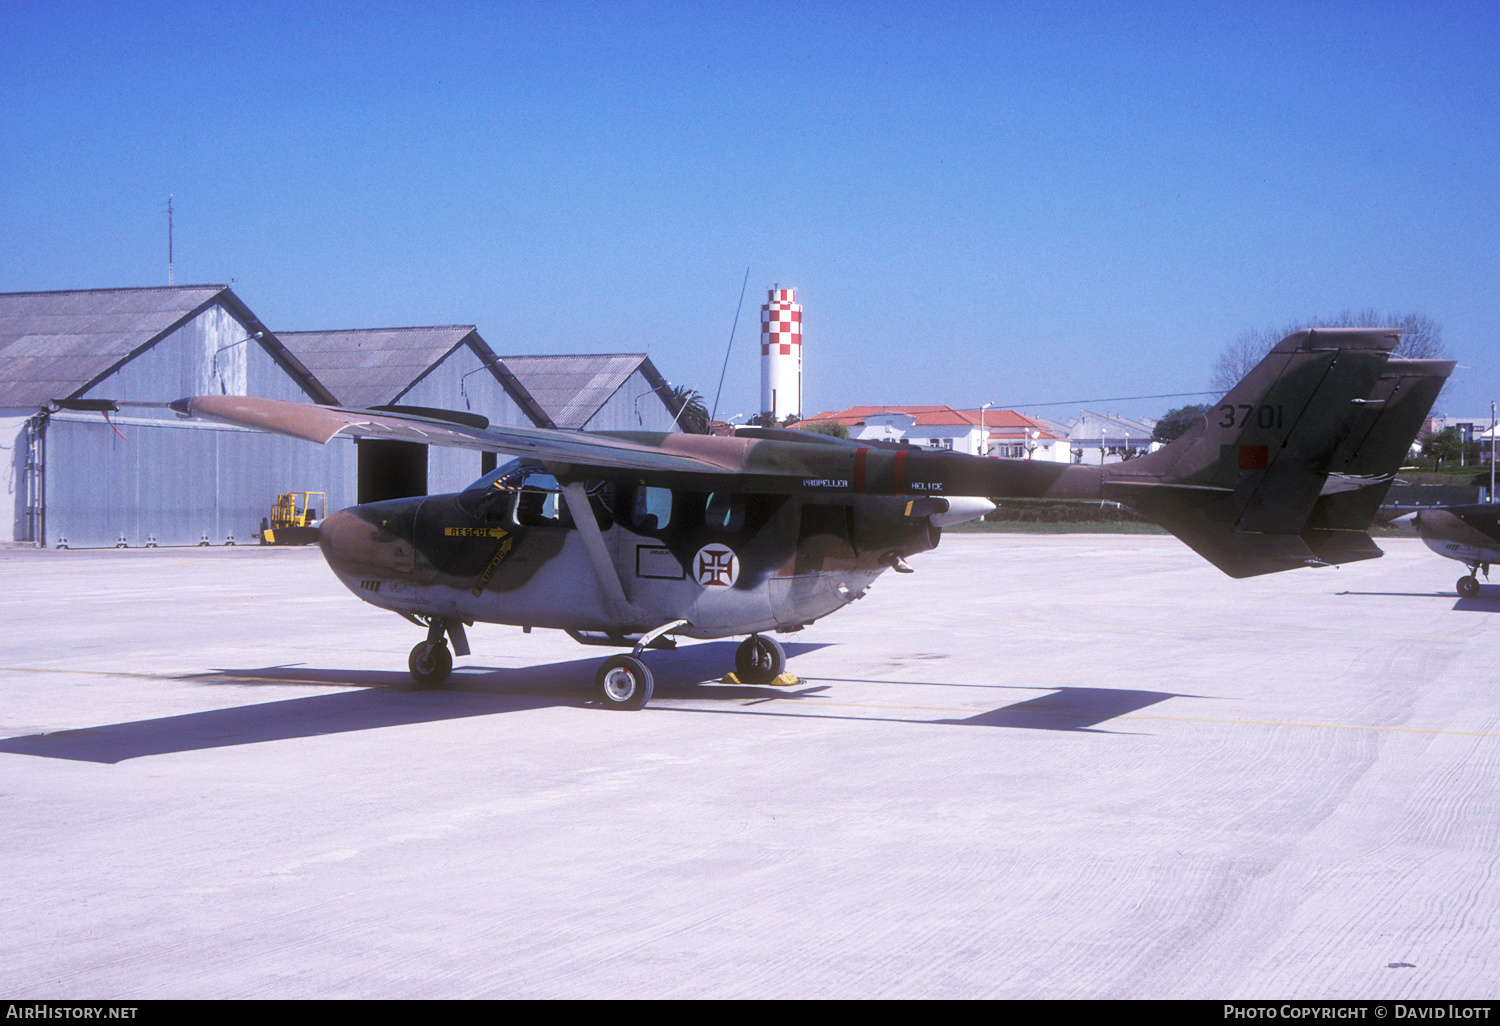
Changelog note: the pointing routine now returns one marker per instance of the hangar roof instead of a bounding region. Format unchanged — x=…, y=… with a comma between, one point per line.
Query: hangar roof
x=371, y=366
x=366, y=367
x=573, y=388
x=57, y=345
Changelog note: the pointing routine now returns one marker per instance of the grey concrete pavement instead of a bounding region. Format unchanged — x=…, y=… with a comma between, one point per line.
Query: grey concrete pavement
x=1058, y=766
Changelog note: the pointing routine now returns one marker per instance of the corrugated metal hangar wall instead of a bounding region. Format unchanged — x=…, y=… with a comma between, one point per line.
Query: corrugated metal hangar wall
x=141, y=475
x=87, y=476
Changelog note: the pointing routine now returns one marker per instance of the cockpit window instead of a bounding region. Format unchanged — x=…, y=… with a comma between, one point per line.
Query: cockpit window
x=523, y=492
x=490, y=480
x=724, y=513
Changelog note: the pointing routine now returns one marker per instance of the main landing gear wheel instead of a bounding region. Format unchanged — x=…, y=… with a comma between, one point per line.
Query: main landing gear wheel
x=759, y=660
x=1468, y=587
x=430, y=663
x=624, y=682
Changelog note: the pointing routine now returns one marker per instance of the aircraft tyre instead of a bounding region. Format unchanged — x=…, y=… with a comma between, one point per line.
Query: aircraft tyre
x=1468, y=587
x=759, y=660
x=430, y=664
x=624, y=682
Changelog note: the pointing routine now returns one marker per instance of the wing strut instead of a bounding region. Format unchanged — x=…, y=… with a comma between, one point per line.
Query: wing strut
x=620, y=608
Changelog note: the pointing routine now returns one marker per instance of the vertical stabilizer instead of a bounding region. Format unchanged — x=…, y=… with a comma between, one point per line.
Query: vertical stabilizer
x=1255, y=486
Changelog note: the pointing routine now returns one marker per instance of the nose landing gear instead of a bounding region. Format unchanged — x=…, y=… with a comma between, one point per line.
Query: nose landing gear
x=1468, y=586
x=430, y=661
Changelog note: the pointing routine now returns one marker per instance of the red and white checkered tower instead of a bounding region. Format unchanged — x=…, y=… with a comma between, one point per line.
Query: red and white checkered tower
x=781, y=354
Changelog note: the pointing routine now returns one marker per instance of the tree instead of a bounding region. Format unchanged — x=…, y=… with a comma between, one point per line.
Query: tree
x=1176, y=423
x=1446, y=444
x=1421, y=339
x=692, y=411
x=825, y=427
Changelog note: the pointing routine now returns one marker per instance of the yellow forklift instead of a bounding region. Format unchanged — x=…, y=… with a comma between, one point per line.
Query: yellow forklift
x=294, y=519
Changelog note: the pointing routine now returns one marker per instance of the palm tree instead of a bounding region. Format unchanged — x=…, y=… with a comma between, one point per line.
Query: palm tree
x=692, y=411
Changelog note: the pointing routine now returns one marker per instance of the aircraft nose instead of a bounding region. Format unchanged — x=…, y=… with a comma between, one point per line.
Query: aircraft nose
x=372, y=541
x=344, y=537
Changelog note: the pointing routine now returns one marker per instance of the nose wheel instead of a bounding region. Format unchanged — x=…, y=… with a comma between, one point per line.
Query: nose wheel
x=1468, y=586
x=430, y=663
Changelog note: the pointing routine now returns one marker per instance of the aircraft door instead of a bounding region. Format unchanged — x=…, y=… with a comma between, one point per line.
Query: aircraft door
x=825, y=538
x=824, y=570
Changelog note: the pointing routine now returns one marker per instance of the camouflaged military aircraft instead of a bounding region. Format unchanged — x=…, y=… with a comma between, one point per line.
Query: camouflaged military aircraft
x=1469, y=534
x=633, y=539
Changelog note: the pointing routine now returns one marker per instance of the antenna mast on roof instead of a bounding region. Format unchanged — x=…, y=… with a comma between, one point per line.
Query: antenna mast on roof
x=715, y=411
x=169, y=240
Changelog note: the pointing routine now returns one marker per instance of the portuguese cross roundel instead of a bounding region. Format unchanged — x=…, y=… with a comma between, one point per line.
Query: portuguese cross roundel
x=716, y=566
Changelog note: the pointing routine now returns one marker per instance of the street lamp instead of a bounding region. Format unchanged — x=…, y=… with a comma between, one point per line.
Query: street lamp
x=213, y=369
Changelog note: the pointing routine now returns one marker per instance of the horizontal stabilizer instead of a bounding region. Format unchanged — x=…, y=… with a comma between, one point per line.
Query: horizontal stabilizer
x=1239, y=554
x=1341, y=546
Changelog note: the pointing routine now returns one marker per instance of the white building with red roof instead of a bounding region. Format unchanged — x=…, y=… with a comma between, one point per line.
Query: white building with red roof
x=990, y=431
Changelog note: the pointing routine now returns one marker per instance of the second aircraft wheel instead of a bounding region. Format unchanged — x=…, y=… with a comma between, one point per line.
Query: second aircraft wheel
x=430, y=664
x=759, y=660
x=1468, y=587
x=624, y=682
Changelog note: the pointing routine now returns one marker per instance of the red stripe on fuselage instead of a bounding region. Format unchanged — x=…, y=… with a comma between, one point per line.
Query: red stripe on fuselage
x=859, y=470
x=899, y=473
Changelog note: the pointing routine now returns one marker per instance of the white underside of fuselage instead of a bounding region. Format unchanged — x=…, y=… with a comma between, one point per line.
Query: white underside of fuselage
x=563, y=592
x=1463, y=553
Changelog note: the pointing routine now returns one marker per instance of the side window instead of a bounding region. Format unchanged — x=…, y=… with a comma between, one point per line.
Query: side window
x=538, y=509
x=651, y=509
x=539, y=503
x=724, y=513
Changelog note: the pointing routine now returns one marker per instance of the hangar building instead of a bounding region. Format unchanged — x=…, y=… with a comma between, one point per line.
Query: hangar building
x=602, y=392
x=453, y=368
x=82, y=472
x=449, y=368
x=95, y=458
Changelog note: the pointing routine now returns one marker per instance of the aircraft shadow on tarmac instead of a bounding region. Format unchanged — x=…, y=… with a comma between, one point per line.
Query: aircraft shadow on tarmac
x=386, y=699
x=1487, y=601
x=1067, y=708
x=382, y=699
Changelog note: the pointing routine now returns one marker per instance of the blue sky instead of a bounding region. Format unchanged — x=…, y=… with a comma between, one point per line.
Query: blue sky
x=978, y=202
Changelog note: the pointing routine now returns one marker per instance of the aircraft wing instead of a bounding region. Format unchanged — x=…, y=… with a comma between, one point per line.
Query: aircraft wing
x=323, y=423
x=811, y=464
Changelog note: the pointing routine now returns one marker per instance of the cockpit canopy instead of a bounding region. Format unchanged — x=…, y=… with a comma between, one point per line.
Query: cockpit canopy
x=525, y=493
x=534, y=493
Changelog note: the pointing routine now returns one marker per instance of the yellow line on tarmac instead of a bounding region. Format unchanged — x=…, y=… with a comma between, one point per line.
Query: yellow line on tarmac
x=1330, y=726
x=1131, y=626
x=813, y=702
